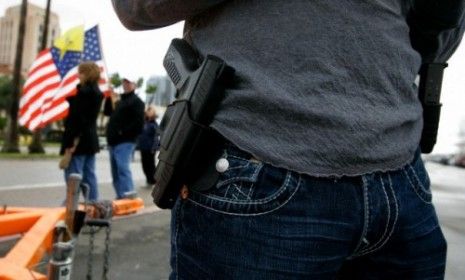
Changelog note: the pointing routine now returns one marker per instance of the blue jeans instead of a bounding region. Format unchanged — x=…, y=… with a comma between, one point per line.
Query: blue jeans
x=120, y=158
x=85, y=166
x=263, y=222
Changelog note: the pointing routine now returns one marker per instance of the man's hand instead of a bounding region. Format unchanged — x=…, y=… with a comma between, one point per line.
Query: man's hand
x=70, y=150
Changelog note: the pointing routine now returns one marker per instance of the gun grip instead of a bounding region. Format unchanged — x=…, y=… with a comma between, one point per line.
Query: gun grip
x=180, y=61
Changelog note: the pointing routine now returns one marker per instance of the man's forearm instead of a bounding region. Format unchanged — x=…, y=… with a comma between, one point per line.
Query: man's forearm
x=149, y=14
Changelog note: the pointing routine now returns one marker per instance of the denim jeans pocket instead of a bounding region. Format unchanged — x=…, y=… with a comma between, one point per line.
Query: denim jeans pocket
x=418, y=180
x=247, y=187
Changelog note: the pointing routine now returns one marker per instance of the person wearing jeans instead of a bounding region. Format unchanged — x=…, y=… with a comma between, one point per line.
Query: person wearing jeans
x=320, y=175
x=265, y=222
x=80, y=138
x=125, y=125
x=120, y=158
x=85, y=165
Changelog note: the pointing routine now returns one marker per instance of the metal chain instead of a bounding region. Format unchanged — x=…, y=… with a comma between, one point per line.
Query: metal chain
x=106, y=254
x=105, y=212
x=90, y=254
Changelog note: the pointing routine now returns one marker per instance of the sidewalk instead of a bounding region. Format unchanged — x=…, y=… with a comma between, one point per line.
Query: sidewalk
x=139, y=249
x=139, y=246
x=139, y=243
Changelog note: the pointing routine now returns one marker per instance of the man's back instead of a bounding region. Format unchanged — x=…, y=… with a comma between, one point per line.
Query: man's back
x=329, y=85
x=325, y=88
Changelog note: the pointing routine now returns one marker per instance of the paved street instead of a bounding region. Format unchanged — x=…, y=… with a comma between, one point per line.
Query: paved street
x=140, y=243
x=448, y=185
x=45, y=173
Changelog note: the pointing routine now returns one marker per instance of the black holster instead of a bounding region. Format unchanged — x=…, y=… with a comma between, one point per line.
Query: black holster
x=429, y=93
x=186, y=139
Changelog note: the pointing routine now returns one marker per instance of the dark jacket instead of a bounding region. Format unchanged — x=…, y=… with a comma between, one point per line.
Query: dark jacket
x=149, y=138
x=81, y=121
x=126, y=120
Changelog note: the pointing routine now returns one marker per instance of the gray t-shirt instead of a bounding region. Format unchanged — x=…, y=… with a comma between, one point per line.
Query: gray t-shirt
x=326, y=88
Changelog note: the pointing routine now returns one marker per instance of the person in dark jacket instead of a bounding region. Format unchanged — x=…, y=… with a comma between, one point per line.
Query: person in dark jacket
x=125, y=124
x=80, y=135
x=148, y=145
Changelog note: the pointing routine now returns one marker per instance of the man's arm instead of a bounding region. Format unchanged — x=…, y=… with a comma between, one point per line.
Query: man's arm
x=110, y=104
x=436, y=28
x=149, y=14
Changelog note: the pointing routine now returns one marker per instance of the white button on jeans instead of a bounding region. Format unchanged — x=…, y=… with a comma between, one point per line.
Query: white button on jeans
x=222, y=165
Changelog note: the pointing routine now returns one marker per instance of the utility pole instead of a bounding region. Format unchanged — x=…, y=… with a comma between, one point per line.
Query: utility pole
x=11, y=139
x=36, y=145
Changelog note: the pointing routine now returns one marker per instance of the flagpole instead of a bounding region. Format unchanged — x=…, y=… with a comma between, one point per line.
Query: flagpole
x=103, y=56
x=102, y=118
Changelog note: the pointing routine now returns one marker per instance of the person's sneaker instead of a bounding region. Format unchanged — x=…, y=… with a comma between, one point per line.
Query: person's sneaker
x=130, y=195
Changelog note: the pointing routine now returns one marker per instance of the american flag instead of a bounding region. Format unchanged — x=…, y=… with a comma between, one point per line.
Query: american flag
x=53, y=77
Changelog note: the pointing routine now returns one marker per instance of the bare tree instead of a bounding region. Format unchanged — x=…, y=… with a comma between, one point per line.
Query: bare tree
x=11, y=139
x=36, y=146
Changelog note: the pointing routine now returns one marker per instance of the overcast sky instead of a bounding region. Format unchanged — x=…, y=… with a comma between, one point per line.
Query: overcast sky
x=136, y=54
x=140, y=54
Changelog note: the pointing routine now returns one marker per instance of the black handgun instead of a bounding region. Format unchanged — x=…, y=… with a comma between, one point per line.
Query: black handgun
x=200, y=84
x=429, y=93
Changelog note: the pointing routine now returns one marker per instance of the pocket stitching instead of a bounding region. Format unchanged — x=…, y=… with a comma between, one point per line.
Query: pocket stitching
x=415, y=189
x=252, y=178
x=239, y=189
x=237, y=167
x=251, y=214
x=283, y=187
x=419, y=181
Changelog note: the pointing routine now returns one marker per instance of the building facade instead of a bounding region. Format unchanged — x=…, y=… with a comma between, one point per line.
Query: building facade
x=164, y=94
x=9, y=25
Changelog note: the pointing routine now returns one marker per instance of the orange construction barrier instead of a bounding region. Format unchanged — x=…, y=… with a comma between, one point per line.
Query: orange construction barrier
x=37, y=225
x=30, y=249
x=17, y=222
x=123, y=207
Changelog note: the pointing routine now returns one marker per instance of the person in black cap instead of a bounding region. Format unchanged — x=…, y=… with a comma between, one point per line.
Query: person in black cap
x=125, y=125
